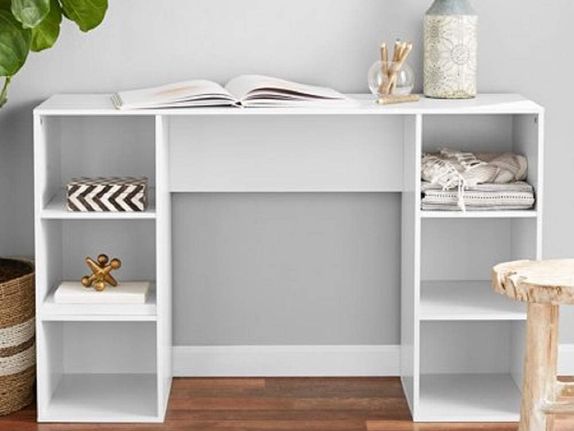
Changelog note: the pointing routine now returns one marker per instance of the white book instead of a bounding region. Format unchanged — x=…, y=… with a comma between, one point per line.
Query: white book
x=127, y=292
x=244, y=91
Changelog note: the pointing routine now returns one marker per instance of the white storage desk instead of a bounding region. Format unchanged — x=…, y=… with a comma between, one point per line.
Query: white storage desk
x=461, y=345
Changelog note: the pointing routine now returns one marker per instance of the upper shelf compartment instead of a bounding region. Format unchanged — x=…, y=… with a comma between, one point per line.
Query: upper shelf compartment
x=73, y=147
x=487, y=136
x=100, y=104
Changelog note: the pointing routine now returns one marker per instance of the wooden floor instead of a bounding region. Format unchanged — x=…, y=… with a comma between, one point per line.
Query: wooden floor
x=286, y=404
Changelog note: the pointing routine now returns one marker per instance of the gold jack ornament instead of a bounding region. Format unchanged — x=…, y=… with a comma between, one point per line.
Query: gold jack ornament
x=101, y=272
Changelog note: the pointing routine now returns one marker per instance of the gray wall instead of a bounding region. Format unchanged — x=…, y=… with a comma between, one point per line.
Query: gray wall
x=523, y=48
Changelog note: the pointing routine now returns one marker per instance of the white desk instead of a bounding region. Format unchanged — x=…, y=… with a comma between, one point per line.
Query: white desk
x=115, y=366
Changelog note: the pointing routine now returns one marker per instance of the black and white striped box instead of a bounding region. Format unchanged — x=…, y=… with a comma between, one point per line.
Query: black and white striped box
x=107, y=194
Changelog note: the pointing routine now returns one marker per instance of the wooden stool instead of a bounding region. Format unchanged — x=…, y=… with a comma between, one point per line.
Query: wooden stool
x=544, y=285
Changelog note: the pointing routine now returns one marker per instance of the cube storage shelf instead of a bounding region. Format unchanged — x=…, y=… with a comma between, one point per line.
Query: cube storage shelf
x=100, y=371
x=98, y=362
x=461, y=344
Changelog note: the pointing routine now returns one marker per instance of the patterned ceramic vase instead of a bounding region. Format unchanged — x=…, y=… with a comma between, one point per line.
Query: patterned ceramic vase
x=450, y=39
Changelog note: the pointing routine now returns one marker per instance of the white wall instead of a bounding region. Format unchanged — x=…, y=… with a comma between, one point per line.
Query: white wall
x=523, y=48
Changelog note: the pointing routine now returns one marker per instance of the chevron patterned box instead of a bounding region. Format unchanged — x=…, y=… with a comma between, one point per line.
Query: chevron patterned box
x=107, y=194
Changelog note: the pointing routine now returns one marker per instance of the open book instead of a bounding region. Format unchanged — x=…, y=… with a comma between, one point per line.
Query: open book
x=243, y=91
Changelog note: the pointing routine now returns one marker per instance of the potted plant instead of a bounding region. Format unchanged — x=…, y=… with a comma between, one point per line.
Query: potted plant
x=34, y=25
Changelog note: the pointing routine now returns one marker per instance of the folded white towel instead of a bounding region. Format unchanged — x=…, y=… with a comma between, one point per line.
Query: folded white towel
x=517, y=195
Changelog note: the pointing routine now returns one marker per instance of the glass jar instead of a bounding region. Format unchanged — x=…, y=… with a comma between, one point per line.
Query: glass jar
x=379, y=75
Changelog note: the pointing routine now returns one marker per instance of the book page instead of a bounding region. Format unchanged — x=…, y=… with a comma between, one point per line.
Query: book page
x=259, y=90
x=181, y=94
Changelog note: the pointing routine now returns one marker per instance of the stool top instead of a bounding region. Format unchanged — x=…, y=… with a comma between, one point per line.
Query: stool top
x=540, y=281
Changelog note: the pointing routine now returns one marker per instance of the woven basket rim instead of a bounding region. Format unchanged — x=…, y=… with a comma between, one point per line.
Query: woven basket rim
x=28, y=274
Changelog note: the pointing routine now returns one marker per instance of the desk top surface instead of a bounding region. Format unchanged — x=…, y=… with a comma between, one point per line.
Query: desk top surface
x=100, y=104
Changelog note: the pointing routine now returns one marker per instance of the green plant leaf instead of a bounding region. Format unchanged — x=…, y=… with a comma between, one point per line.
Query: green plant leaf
x=14, y=44
x=46, y=33
x=5, y=4
x=88, y=14
x=30, y=12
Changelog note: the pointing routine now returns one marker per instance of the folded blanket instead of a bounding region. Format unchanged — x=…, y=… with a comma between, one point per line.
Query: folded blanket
x=460, y=171
x=448, y=167
x=517, y=195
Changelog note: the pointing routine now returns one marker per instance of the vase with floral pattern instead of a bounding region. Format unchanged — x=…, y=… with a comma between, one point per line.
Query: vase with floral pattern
x=450, y=50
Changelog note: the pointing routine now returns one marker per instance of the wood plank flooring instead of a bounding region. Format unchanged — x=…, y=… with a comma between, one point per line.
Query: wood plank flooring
x=277, y=404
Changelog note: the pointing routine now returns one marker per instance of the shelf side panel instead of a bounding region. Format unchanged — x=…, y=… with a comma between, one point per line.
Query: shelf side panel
x=48, y=342
x=163, y=262
x=49, y=364
x=528, y=140
x=410, y=256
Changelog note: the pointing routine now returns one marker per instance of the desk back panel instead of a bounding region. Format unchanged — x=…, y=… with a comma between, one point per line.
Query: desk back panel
x=291, y=268
x=286, y=153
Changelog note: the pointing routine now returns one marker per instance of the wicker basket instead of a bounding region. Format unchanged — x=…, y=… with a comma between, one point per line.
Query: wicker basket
x=17, y=346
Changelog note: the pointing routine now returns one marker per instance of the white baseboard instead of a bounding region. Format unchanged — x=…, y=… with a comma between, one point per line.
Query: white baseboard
x=277, y=361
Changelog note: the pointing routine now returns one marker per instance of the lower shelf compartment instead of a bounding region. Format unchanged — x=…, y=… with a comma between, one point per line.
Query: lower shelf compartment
x=468, y=398
x=103, y=398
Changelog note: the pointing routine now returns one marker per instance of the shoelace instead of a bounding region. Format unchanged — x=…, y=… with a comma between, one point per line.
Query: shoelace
x=446, y=175
x=466, y=159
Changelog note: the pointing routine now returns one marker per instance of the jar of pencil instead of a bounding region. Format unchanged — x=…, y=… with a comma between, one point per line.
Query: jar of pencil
x=392, y=80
